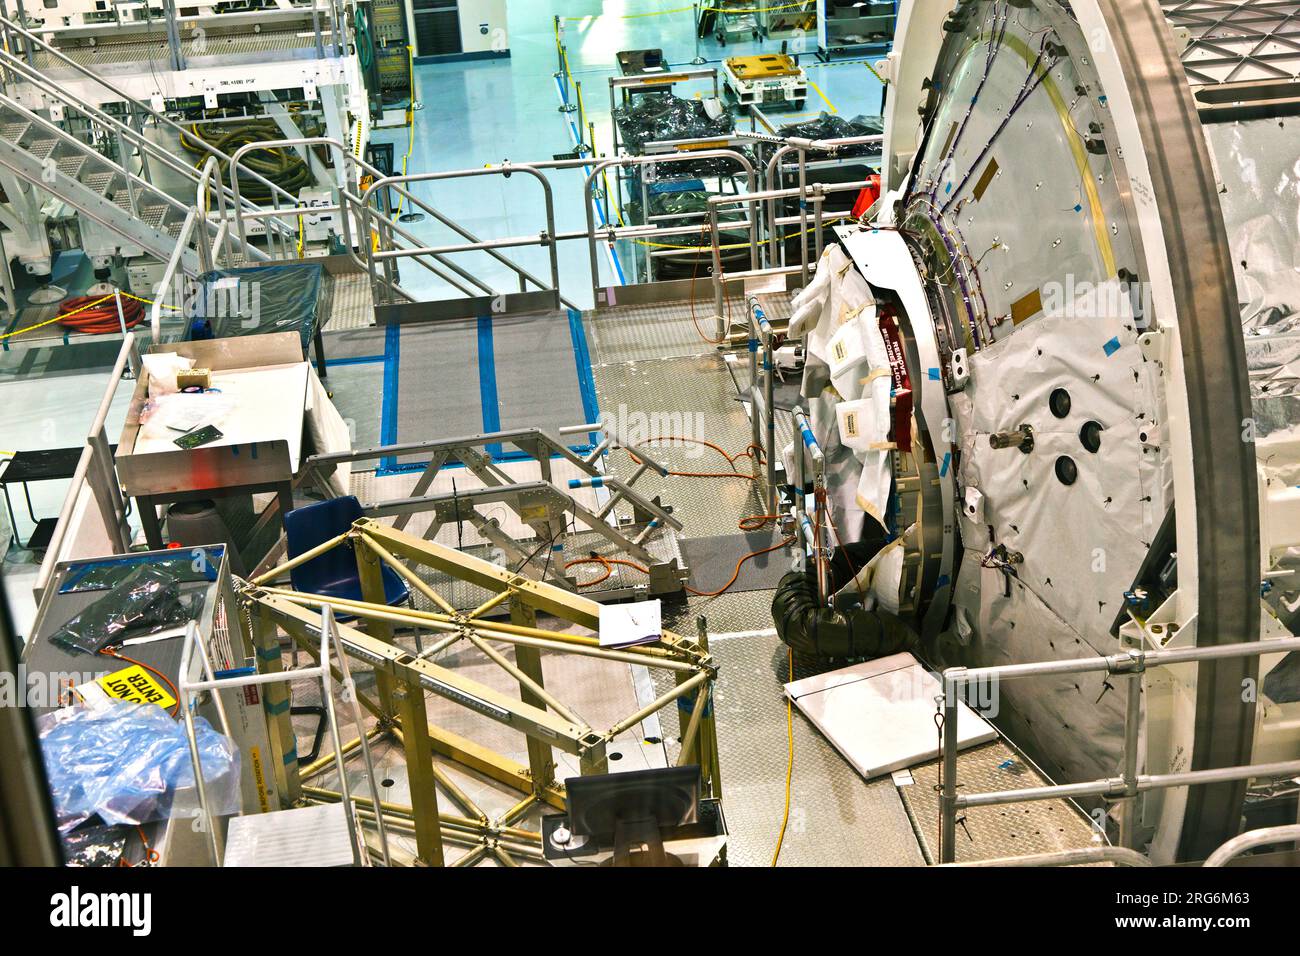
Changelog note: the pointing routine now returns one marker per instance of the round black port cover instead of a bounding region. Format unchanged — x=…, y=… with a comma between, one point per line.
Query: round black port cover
x=1090, y=435
x=1067, y=472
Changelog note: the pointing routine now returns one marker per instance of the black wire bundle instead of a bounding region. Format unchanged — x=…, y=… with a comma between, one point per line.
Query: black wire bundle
x=281, y=165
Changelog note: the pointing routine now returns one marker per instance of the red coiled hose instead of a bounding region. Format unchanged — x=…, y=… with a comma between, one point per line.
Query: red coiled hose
x=97, y=315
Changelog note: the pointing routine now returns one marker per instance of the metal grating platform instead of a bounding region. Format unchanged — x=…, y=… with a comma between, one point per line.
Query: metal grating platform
x=987, y=833
x=350, y=304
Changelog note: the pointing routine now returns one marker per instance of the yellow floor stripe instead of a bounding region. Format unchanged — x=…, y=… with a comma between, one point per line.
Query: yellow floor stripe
x=818, y=90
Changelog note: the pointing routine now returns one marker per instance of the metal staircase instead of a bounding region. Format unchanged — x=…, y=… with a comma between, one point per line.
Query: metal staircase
x=55, y=143
x=39, y=152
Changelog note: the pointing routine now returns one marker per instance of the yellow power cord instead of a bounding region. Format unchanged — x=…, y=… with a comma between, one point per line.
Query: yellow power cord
x=60, y=318
x=789, y=770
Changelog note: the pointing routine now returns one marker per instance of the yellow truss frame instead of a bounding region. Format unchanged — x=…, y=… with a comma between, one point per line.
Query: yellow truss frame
x=402, y=679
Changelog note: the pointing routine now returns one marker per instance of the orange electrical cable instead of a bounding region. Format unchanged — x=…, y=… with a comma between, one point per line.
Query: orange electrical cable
x=109, y=652
x=151, y=856
x=752, y=452
x=98, y=316
x=750, y=523
x=726, y=297
x=609, y=563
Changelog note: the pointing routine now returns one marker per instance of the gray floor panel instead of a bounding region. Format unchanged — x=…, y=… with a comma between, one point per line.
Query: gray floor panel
x=438, y=383
x=354, y=388
x=537, y=372
x=713, y=561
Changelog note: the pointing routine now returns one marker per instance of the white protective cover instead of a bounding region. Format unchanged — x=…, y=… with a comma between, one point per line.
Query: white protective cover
x=846, y=383
x=329, y=433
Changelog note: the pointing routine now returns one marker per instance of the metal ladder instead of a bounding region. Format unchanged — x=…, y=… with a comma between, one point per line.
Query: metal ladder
x=36, y=150
x=118, y=192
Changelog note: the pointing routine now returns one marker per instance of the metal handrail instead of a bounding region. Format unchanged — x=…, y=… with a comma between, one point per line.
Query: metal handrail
x=321, y=672
x=612, y=232
x=60, y=134
x=346, y=161
x=815, y=194
x=1250, y=840
x=524, y=275
x=546, y=239
x=157, y=152
x=128, y=360
x=1132, y=664
x=762, y=400
x=34, y=76
x=169, y=274
x=774, y=168
x=388, y=226
x=220, y=248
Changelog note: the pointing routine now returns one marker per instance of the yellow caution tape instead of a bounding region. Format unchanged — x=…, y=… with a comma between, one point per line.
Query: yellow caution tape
x=84, y=308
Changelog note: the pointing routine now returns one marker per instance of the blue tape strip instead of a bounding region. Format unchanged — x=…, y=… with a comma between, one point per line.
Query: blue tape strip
x=388, y=410
x=947, y=460
x=1111, y=347
x=354, y=360
x=586, y=380
x=935, y=375
x=487, y=382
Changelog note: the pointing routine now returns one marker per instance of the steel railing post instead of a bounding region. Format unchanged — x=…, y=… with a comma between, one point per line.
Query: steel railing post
x=948, y=797
x=1132, y=727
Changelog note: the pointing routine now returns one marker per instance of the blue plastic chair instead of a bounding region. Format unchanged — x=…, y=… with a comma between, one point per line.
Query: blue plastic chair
x=334, y=573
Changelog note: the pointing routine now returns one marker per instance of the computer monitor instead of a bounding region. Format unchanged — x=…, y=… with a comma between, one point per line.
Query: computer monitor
x=633, y=808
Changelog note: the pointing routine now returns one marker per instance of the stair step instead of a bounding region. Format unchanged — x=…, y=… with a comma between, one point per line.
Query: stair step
x=14, y=131
x=100, y=183
x=42, y=148
x=151, y=216
x=71, y=166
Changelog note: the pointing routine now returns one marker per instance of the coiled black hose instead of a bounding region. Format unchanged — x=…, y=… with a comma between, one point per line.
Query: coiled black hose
x=281, y=165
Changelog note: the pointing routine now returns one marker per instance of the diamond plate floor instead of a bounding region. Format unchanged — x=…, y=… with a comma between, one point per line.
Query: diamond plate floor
x=351, y=306
x=836, y=818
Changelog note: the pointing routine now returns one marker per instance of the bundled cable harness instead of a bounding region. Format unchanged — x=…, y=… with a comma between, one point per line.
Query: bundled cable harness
x=281, y=165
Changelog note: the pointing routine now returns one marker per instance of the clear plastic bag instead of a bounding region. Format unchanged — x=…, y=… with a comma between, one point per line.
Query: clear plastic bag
x=149, y=599
x=130, y=764
x=167, y=418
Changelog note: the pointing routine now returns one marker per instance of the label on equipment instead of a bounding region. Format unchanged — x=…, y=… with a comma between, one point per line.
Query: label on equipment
x=134, y=684
x=902, y=383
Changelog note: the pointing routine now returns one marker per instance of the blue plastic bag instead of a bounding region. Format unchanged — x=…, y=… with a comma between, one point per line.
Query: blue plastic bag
x=128, y=763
